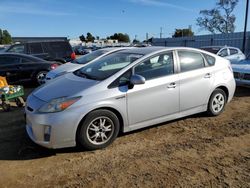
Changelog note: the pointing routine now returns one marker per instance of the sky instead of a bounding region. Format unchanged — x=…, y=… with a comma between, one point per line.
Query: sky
x=64, y=18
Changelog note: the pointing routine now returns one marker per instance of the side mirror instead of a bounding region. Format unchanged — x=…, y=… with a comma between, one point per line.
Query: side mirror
x=137, y=79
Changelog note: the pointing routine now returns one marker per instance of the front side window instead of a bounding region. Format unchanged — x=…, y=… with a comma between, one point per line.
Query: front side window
x=223, y=53
x=155, y=67
x=190, y=61
x=107, y=66
x=17, y=49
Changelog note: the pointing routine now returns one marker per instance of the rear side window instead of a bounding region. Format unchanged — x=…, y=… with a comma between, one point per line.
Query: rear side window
x=17, y=49
x=35, y=48
x=59, y=46
x=210, y=60
x=9, y=60
x=233, y=51
x=190, y=61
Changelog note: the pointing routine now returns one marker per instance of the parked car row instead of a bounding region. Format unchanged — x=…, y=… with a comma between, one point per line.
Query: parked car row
x=125, y=90
x=21, y=67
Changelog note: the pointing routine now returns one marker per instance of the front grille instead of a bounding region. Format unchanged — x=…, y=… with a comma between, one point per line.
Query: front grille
x=236, y=75
x=247, y=77
x=241, y=76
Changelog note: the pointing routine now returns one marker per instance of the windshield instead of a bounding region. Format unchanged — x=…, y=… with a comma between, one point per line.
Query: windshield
x=212, y=50
x=107, y=66
x=89, y=57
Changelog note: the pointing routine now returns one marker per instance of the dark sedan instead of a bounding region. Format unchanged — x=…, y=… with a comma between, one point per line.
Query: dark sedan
x=21, y=68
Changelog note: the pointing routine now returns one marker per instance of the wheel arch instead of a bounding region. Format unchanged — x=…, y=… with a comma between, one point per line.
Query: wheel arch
x=222, y=87
x=116, y=112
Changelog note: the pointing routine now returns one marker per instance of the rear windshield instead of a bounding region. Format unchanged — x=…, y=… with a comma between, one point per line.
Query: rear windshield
x=212, y=50
x=89, y=57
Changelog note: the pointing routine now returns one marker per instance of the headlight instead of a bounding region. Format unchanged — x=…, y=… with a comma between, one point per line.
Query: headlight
x=57, y=105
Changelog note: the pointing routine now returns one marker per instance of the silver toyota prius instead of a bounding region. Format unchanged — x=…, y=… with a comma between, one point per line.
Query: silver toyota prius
x=125, y=91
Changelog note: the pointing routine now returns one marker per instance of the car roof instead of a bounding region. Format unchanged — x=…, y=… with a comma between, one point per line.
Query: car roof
x=145, y=50
x=21, y=55
x=219, y=47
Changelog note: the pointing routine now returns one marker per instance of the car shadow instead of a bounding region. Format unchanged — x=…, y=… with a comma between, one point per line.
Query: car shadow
x=242, y=92
x=16, y=145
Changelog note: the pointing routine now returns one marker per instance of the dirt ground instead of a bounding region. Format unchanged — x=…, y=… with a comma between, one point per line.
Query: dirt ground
x=196, y=151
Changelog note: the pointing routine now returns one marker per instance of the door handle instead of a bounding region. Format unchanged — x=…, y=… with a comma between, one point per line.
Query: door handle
x=208, y=75
x=172, y=85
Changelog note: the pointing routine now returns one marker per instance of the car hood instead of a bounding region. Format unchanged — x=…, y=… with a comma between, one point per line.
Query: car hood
x=67, y=67
x=64, y=86
x=243, y=66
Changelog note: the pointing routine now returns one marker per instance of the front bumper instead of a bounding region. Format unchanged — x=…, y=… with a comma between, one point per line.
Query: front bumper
x=62, y=125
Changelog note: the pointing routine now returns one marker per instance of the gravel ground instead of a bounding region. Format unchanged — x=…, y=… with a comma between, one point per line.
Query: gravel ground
x=196, y=151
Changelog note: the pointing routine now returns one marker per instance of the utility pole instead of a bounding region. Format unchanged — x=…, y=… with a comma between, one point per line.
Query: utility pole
x=160, y=32
x=147, y=38
x=245, y=28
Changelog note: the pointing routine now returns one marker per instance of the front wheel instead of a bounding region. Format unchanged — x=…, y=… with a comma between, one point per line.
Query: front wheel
x=98, y=130
x=217, y=102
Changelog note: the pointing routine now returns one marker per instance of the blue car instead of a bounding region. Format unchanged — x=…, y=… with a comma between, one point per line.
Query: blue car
x=242, y=72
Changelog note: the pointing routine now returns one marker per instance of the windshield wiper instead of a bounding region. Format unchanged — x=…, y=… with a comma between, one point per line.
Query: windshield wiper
x=85, y=75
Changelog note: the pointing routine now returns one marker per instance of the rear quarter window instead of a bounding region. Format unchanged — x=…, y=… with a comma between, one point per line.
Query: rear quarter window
x=210, y=59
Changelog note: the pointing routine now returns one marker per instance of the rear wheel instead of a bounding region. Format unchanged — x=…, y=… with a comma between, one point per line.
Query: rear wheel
x=41, y=76
x=98, y=130
x=217, y=102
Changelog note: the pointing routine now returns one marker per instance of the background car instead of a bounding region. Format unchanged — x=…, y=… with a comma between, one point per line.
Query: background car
x=80, y=62
x=81, y=50
x=19, y=68
x=233, y=54
x=59, y=51
x=125, y=91
x=242, y=72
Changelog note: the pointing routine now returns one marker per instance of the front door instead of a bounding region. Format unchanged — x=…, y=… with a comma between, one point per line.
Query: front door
x=159, y=96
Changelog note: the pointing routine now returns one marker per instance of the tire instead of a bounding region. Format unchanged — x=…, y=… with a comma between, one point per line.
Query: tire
x=19, y=102
x=40, y=77
x=98, y=130
x=6, y=106
x=217, y=102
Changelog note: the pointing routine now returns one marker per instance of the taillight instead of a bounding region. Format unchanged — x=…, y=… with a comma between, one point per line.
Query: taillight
x=53, y=66
x=73, y=55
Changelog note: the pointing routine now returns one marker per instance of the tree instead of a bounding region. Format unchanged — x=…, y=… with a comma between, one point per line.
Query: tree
x=120, y=37
x=90, y=37
x=219, y=19
x=82, y=38
x=5, y=37
x=183, y=33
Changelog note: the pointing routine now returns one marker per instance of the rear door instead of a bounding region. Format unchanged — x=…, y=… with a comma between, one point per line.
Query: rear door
x=36, y=49
x=10, y=68
x=159, y=96
x=195, y=79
